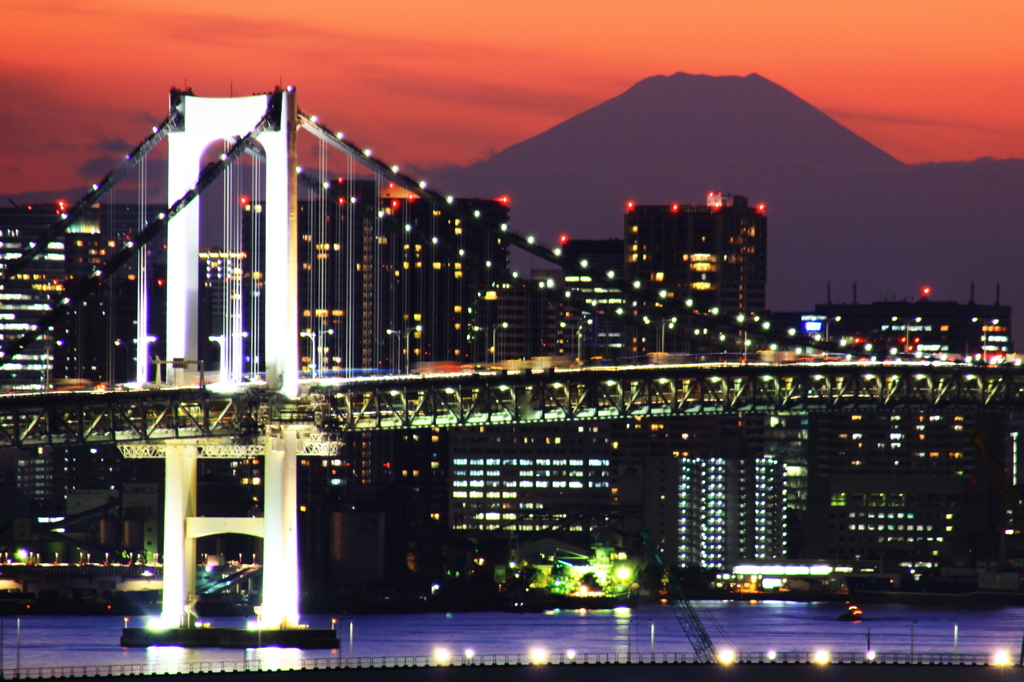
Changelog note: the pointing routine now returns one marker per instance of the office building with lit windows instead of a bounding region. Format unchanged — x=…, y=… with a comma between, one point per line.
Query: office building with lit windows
x=598, y=335
x=976, y=330
x=908, y=488
x=712, y=256
x=26, y=298
x=529, y=478
x=702, y=484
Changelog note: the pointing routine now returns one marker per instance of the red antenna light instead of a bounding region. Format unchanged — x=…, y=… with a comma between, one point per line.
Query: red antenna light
x=925, y=291
x=341, y=200
x=563, y=239
x=394, y=204
x=629, y=205
x=760, y=208
x=675, y=208
x=244, y=200
x=504, y=199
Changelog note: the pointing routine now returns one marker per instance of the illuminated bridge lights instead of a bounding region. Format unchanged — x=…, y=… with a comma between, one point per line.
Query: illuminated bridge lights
x=639, y=391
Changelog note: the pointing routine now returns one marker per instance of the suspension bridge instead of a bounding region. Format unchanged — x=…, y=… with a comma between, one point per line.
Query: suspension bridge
x=283, y=416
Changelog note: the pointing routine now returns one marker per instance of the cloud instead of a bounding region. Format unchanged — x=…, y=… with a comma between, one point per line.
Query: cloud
x=116, y=145
x=916, y=122
x=97, y=167
x=489, y=94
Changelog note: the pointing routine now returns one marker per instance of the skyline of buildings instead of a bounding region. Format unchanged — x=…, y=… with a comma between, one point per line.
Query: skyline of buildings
x=389, y=284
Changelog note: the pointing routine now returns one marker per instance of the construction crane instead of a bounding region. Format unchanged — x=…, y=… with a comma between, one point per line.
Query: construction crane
x=702, y=645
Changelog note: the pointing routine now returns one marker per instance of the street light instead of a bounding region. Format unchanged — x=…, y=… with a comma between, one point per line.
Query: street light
x=320, y=349
x=405, y=341
x=494, y=339
x=579, y=336
x=829, y=321
x=312, y=364
x=671, y=324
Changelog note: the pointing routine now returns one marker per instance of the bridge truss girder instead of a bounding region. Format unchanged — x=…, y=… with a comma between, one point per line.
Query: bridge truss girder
x=125, y=416
x=582, y=395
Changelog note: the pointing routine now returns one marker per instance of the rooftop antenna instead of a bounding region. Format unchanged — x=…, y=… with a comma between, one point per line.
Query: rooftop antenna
x=972, y=292
x=855, y=293
x=828, y=292
x=997, y=293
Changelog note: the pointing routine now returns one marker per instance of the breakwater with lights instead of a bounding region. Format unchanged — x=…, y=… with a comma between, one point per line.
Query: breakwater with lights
x=760, y=667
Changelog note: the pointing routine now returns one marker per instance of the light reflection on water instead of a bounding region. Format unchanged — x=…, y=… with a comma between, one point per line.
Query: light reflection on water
x=51, y=641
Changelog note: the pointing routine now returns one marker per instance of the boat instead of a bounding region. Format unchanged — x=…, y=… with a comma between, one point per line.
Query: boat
x=852, y=613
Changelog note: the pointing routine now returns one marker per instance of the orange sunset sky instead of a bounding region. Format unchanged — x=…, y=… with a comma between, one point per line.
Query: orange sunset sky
x=435, y=83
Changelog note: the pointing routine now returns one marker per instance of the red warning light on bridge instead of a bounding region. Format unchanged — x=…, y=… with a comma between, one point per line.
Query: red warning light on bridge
x=244, y=201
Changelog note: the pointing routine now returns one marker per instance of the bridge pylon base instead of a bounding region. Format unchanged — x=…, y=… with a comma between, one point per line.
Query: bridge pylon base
x=231, y=638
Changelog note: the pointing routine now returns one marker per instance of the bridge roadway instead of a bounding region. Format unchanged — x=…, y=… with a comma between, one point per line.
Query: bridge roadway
x=507, y=397
x=627, y=392
x=121, y=416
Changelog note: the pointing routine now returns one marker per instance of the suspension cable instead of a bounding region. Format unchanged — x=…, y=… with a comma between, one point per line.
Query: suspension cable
x=75, y=213
x=87, y=285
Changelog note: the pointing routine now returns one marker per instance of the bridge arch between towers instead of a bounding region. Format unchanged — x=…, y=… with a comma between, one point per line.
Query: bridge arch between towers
x=206, y=120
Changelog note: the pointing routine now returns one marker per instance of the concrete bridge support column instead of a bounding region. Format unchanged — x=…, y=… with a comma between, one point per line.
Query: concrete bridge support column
x=179, y=559
x=280, y=532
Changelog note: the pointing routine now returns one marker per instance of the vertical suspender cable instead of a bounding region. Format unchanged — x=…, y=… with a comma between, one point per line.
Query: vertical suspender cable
x=142, y=283
x=256, y=261
x=353, y=234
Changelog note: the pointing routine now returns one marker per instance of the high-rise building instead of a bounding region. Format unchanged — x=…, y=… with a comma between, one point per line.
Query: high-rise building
x=99, y=340
x=386, y=280
x=702, y=485
x=907, y=488
x=25, y=298
x=530, y=478
x=601, y=335
x=712, y=256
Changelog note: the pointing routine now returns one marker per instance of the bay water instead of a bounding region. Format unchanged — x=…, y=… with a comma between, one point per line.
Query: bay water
x=761, y=626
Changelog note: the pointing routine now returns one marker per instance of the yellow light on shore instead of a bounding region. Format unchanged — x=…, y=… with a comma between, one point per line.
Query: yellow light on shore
x=442, y=655
x=726, y=656
x=1001, y=657
x=869, y=654
x=771, y=654
x=821, y=657
x=571, y=654
x=538, y=655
